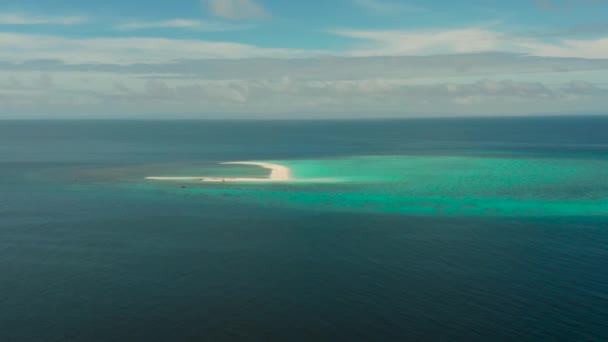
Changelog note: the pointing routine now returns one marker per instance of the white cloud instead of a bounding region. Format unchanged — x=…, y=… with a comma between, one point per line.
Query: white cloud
x=585, y=48
x=426, y=42
x=21, y=19
x=198, y=25
x=237, y=9
x=384, y=7
x=21, y=47
x=468, y=40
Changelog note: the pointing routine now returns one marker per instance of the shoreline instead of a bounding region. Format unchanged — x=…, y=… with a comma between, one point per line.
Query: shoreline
x=278, y=173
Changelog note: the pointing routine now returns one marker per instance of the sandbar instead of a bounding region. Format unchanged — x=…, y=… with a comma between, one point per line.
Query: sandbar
x=278, y=173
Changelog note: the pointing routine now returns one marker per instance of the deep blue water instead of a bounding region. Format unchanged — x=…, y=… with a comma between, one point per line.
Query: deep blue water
x=87, y=256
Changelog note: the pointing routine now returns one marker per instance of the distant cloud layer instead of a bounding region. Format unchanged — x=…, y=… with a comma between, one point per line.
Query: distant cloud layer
x=279, y=97
x=318, y=87
x=23, y=19
x=197, y=25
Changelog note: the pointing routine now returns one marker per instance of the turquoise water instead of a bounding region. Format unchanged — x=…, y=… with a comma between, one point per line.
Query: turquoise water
x=411, y=230
x=426, y=185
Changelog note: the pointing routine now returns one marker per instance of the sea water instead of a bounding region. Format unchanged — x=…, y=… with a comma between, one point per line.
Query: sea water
x=454, y=229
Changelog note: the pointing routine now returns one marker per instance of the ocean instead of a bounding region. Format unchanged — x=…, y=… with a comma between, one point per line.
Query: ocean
x=478, y=229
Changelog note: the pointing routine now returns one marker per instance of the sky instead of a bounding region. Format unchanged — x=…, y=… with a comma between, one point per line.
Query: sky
x=302, y=59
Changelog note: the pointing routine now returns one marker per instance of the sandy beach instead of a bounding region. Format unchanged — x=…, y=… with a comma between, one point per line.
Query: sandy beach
x=278, y=173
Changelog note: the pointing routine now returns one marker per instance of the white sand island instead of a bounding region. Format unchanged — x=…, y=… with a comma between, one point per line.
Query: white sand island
x=278, y=173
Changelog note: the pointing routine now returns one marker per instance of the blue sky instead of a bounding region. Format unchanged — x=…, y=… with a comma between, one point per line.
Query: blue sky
x=277, y=58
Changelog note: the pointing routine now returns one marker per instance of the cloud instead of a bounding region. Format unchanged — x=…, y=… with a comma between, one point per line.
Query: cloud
x=499, y=89
x=46, y=81
x=468, y=40
x=121, y=87
x=383, y=7
x=21, y=19
x=413, y=68
x=425, y=42
x=209, y=92
x=382, y=96
x=312, y=98
x=20, y=47
x=197, y=25
x=385, y=73
x=237, y=9
x=586, y=48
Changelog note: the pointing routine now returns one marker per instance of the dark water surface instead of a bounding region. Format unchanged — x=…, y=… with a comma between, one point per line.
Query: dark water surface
x=91, y=252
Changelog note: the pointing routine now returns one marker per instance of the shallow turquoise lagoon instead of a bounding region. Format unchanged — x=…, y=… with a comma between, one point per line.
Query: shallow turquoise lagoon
x=423, y=185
